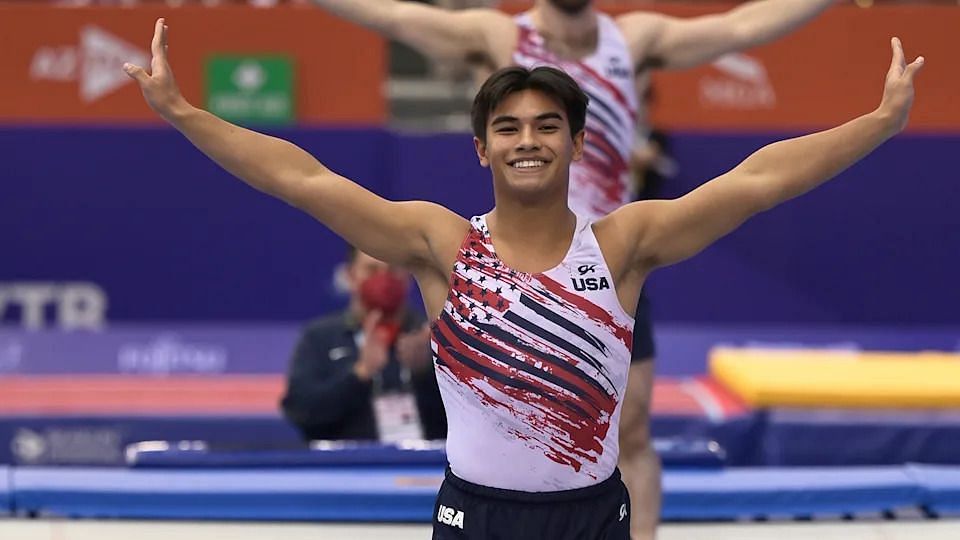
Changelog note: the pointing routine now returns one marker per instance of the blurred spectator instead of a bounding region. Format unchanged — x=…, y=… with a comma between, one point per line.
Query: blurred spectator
x=366, y=373
x=652, y=164
x=651, y=160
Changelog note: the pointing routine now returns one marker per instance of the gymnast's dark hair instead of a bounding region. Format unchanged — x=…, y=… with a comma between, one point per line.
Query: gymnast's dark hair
x=551, y=81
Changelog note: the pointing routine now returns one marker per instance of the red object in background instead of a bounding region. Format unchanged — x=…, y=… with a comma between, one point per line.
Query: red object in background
x=388, y=331
x=384, y=292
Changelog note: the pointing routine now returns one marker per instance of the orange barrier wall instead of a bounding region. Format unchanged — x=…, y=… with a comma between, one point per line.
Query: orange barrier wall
x=823, y=74
x=63, y=64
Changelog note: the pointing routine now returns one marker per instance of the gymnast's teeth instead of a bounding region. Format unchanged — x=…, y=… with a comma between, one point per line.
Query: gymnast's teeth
x=529, y=164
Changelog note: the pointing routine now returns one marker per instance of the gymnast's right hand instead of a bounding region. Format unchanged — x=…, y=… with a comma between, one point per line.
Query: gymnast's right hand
x=158, y=86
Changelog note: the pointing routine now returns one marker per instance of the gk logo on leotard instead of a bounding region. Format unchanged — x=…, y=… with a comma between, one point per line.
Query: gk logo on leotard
x=623, y=511
x=586, y=269
x=450, y=516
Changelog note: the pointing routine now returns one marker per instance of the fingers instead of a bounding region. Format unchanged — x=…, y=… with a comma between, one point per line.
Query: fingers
x=157, y=46
x=136, y=73
x=914, y=68
x=158, y=64
x=897, y=63
x=371, y=321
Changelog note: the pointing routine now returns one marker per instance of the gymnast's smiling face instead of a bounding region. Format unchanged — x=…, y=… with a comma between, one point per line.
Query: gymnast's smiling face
x=528, y=125
x=529, y=146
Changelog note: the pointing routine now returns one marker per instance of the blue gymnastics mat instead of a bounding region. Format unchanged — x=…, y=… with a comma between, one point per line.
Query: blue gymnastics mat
x=407, y=494
x=940, y=486
x=300, y=494
x=749, y=493
x=6, y=497
x=674, y=452
x=195, y=455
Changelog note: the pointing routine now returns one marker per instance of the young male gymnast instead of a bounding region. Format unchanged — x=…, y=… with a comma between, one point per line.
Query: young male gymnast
x=531, y=302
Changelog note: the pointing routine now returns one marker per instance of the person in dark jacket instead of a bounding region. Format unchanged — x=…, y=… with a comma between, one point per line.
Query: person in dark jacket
x=366, y=373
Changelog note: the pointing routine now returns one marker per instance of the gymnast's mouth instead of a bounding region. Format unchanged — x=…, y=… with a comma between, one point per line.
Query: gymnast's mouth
x=528, y=163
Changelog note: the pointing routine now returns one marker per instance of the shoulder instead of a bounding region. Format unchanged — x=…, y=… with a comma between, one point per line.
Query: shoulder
x=640, y=29
x=623, y=230
x=637, y=213
x=501, y=33
x=441, y=229
x=490, y=21
x=444, y=229
x=488, y=15
x=640, y=21
x=491, y=16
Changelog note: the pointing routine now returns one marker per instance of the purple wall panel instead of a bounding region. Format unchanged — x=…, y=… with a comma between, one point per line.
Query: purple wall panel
x=171, y=237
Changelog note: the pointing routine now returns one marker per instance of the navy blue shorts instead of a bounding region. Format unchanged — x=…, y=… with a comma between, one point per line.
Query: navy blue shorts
x=471, y=511
x=643, y=346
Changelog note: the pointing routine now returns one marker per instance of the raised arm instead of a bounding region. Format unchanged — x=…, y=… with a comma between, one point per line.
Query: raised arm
x=662, y=41
x=434, y=31
x=670, y=231
x=396, y=232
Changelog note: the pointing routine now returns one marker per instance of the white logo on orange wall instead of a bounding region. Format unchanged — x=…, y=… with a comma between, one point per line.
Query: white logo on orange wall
x=96, y=63
x=737, y=81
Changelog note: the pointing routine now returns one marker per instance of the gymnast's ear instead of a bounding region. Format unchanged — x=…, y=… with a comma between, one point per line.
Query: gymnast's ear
x=481, y=151
x=578, y=140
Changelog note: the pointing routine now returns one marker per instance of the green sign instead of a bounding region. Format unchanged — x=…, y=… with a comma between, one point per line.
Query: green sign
x=251, y=89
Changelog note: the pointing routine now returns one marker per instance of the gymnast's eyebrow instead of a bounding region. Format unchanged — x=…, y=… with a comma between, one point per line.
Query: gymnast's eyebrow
x=539, y=118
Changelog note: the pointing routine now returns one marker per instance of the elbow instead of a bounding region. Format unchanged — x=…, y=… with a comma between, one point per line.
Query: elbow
x=295, y=192
x=746, y=33
x=763, y=195
x=747, y=30
x=300, y=188
x=759, y=193
x=764, y=199
x=770, y=188
x=760, y=188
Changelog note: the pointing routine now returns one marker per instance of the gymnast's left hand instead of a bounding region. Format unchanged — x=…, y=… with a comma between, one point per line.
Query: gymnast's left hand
x=158, y=87
x=898, y=87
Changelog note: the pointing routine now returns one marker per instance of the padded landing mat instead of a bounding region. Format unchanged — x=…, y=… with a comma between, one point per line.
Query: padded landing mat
x=807, y=378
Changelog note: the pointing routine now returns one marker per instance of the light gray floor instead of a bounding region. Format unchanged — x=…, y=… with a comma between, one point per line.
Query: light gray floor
x=156, y=530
